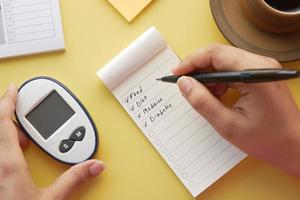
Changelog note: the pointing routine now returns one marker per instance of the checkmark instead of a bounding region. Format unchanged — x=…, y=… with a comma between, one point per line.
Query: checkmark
x=132, y=108
x=127, y=100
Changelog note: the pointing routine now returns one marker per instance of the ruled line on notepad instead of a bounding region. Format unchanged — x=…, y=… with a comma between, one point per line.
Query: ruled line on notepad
x=27, y=26
x=35, y=39
x=31, y=11
x=41, y=31
x=30, y=4
x=180, y=131
x=25, y=2
x=176, y=135
x=145, y=77
x=195, y=146
x=161, y=141
x=186, y=172
x=184, y=141
x=180, y=117
x=31, y=18
x=222, y=165
x=183, y=114
x=204, y=153
x=212, y=159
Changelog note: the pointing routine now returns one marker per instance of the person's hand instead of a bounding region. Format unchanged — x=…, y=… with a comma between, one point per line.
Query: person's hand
x=15, y=179
x=264, y=122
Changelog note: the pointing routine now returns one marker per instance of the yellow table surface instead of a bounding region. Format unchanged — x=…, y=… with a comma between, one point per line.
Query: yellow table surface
x=95, y=32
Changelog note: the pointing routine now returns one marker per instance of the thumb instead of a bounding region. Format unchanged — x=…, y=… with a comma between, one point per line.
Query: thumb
x=73, y=178
x=218, y=115
x=8, y=102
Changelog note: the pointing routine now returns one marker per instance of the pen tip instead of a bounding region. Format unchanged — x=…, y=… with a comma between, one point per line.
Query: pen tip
x=158, y=79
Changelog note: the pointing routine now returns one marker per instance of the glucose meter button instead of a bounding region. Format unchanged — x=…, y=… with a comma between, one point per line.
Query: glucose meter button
x=66, y=145
x=78, y=134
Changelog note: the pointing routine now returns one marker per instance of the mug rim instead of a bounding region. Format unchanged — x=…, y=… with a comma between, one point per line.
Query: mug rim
x=270, y=19
x=280, y=11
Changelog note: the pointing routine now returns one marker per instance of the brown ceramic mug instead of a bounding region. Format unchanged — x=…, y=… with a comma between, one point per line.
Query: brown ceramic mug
x=278, y=16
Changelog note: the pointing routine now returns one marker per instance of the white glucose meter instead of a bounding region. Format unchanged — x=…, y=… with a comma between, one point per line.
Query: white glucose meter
x=56, y=121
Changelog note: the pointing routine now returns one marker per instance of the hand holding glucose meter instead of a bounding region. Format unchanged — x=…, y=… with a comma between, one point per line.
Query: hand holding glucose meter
x=56, y=121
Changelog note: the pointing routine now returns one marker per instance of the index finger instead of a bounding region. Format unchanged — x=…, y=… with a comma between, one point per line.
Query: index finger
x=223, y=58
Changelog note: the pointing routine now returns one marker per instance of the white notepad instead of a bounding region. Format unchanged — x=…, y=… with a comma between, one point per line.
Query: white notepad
x=190, y=146
x=30, y=27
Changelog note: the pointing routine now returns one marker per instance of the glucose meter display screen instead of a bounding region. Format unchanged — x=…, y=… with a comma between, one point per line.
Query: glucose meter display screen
x=50, y=114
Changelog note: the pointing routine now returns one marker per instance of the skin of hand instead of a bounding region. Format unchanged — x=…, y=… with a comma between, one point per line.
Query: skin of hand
x=15, y=179
x=264, y=122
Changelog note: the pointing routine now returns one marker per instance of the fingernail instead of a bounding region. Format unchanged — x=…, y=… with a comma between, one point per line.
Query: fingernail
x=97, y=168
x=185, y=85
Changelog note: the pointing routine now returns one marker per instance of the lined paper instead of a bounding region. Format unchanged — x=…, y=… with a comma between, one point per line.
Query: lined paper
x=34, y=23
x=186, y=141
x=28, y=20
x=2, y=36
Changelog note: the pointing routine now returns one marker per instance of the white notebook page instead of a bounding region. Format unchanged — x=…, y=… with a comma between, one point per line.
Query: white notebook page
x=190, y=146
x=30, y=26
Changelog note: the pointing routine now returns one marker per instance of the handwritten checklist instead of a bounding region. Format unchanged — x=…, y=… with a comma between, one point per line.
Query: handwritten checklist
x=186, y=141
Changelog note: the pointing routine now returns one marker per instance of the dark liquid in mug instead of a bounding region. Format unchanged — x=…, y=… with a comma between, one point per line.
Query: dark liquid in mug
x=284, y=5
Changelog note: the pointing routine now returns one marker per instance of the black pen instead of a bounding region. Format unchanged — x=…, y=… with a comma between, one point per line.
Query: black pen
x=246, y=76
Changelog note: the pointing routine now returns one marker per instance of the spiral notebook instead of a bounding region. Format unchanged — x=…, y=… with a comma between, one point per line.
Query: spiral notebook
x=30, y=27
x=185, y=140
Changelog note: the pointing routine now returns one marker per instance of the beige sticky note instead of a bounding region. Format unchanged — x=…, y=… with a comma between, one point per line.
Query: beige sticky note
x=129, y=8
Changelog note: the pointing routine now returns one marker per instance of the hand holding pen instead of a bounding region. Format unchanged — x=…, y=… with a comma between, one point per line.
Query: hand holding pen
x=264, y=122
